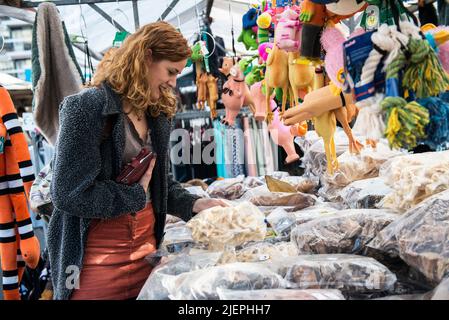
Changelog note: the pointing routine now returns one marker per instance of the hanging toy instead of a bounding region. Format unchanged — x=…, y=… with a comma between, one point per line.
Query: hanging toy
x=332, y=41
x=315, y=16
x=259, y=97
x=249, y=19
x=264, y=50
x=282, y=136
x=201, y=84
x=264, y=22
x=212, y=95
x=437, y=131
x=228, y=63
x=249, y=39
x=276, y=76
x=257, y=74
x=438, y=38
x=235, y=95
x=286, y=35
x=423, y=73
x=406, y=122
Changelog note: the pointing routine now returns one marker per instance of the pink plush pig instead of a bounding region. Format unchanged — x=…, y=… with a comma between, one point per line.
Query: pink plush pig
x=259, y=101
x=233, y=95
x=286, y=34
x=281, y=136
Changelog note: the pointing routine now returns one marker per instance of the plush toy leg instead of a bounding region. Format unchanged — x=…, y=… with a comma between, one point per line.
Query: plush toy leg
x=29, y=244
x=284, y=97
x=270, y=114
x=8, y=250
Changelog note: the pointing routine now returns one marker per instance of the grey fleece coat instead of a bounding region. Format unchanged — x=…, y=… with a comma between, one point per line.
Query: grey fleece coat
x=83, y=186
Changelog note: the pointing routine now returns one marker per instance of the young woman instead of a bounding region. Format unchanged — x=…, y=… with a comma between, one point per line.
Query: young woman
x=101, y=231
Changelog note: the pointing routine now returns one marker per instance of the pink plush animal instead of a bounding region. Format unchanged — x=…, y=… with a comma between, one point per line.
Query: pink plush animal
x=264, y=50
x=286, y=34
x=233, y=97
x=259, y=101
x=332, y=40
x=282, y=136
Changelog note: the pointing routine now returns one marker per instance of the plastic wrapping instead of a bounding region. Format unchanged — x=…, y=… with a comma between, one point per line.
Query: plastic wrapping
x=280, y=294
x=442, y=291
x=420, y=237
x=303, y=184
x=199, y=191
x=348, y=273
x=177, y=238
x=40, y=195
x=170, y=219
x=297, y=200
x=260, y=251
x=231, y=189
x=314, y=212
x=365, y=194
x=346, y=232
x=414, y=178
x=363, y=166
x=253, y=182
x=162, y=277
x=204, y=284
x=220, y=226
x=314, y=159
x=281, y=221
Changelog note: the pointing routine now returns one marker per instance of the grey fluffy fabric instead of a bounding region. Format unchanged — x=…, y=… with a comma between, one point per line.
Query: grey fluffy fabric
x=56, y=73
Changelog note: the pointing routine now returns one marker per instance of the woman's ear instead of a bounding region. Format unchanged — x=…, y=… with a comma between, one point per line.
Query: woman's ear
x=150, y=55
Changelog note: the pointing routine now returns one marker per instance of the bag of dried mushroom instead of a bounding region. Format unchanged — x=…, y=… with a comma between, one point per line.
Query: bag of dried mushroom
x=218, y=227
x=420, y=237
x=348, y=273
x=346, y=232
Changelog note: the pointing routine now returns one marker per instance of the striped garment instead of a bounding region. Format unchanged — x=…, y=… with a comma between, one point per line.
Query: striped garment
x=18, y=244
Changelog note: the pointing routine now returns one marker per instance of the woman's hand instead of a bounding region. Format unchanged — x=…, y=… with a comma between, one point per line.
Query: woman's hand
x=205, y=203
x=146, y=178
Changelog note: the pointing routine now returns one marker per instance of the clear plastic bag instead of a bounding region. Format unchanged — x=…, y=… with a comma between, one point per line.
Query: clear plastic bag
x=359, y=167
x=260, y=251
x=170, y=219
x=414, y=178
x=365, y=194
x=297, y=200
x=220, y=226
x=348, y=273
x=420, y=237
x=253, y=182
x=230, y=189
x=346, y=232
x=281, y=221
x=162, y=277
x=199, y=191
x=280, y=294
x=177, y=238
x=304, y=184
x=442, y=291
x=314, y=212
x=204, y=284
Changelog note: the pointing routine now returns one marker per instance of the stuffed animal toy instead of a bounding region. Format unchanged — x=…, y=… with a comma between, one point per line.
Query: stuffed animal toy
x=18, y=244
x=212, y=95
x=264, y=50
x=249, y=38
x=264, y=22
x=249, y=19
x=228, y=63
x=314, y=16
x=257, y=74
x=286, y=34
x=282, y=136
x=201, y=84
x=332, y=41
x=260, y=102
x=276, y=76
x=235, y=95
x=301, y=76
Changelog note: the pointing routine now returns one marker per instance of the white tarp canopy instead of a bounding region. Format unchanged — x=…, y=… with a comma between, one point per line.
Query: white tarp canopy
x=11, y=83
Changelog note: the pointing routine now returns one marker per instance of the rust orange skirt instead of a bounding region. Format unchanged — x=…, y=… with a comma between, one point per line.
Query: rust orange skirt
x=114, y=267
